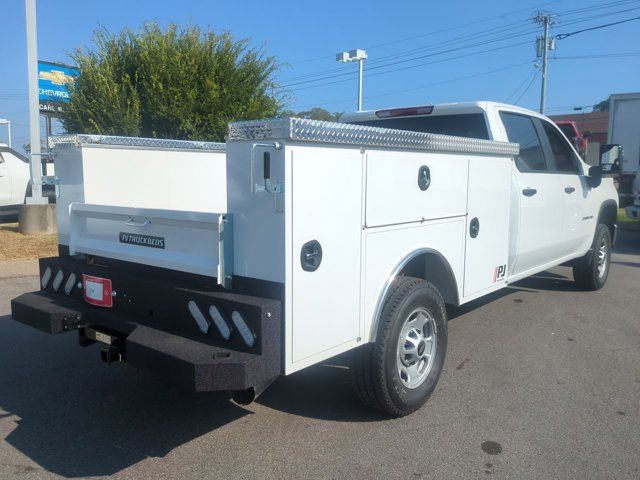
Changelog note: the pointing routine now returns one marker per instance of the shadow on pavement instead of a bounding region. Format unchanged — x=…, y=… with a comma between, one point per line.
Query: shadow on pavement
x=627, y=242
x=76, y=417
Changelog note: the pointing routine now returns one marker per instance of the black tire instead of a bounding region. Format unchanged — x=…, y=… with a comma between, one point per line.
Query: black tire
x=377, y=379
x=587, y=272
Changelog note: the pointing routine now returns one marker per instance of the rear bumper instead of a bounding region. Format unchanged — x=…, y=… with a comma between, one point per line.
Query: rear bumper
x=199, y=362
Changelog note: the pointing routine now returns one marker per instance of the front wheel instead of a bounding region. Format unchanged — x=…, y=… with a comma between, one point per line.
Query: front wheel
x=592, y=271
x=399, y=371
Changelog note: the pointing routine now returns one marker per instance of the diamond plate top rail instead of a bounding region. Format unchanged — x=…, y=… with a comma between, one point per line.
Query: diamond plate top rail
x=73, y=141
x=343, y=133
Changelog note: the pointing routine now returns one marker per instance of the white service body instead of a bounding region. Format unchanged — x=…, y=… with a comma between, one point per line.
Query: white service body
x=355, y=191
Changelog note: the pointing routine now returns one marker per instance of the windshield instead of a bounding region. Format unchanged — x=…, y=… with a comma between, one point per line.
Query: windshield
x=470, y=125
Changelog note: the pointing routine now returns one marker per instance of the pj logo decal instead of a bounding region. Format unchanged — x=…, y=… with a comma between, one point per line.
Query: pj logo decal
x=499, y=272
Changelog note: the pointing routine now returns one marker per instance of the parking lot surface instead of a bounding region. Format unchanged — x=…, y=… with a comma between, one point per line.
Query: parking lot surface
x=541, y=381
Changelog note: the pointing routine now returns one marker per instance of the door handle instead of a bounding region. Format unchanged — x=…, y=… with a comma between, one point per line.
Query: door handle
x=132, y=223
x=569, y=189
x=529, y=192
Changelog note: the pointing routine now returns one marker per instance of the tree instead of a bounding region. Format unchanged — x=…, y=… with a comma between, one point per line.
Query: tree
x=170, y=83
x=602, y=106
x=315, y=114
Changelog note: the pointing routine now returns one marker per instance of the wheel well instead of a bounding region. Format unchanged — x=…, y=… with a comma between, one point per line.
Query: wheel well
x=608, y=215
x=434, y=268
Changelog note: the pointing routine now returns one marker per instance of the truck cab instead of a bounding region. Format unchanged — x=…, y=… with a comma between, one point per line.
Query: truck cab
x=555, y=203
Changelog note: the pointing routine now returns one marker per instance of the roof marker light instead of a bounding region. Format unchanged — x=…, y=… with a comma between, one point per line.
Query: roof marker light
x=46, y=276
x=219, y=322
x=57, y=281
x=243, y=329
x=197, y=315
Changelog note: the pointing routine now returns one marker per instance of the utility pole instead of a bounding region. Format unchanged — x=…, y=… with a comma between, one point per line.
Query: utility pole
x=543, y=45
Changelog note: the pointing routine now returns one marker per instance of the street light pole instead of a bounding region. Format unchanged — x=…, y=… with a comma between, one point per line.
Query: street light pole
x=35, y=160
x=359, y=56
x=360, y=68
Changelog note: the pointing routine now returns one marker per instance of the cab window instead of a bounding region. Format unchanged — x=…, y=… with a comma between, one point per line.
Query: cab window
x=470, y=125
x=520, y=129
x=562, y=153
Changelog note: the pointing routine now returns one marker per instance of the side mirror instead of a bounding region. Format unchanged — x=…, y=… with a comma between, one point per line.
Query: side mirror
x=610, y=158
x=586, y=134
x=594, y=179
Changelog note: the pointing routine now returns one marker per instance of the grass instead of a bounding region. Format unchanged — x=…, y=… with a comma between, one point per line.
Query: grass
x=627, y=223
x=622, y=216
x=15, y=246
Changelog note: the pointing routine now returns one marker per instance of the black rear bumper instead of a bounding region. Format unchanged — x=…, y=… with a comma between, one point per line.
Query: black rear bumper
x=167, y=343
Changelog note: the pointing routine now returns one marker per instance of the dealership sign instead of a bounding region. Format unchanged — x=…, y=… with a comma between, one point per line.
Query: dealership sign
x=54, y=80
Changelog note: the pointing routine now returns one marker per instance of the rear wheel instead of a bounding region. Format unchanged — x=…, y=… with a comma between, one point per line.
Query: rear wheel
x=399, y=371
x=592, y=271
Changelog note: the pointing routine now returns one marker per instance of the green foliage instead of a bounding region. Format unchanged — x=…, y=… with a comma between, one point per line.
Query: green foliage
x=315, y=114
x=170, y=83
x=602, y=106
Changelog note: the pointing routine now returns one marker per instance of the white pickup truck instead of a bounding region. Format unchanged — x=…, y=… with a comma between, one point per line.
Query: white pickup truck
x=14, y=180
x=307, y=239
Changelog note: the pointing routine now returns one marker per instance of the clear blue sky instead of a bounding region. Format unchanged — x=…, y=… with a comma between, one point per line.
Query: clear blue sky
x=306, y=35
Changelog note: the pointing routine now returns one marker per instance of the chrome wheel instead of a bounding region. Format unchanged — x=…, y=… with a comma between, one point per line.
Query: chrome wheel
x=603, y=254
x=416, y=348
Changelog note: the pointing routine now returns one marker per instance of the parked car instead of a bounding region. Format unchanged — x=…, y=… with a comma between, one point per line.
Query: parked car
x=579, y=139
x=14, y=181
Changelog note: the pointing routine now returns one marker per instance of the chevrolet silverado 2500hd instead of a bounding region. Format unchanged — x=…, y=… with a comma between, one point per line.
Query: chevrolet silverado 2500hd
x=330, y=237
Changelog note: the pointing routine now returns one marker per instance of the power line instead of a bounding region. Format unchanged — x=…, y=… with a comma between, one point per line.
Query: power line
x=562, y=36
x=457, y=57
x=347, y=76
x=604, y=55
x=397, y=92
x=533, y=79
x=448, y=29
x=520, y=85
x=475, y=35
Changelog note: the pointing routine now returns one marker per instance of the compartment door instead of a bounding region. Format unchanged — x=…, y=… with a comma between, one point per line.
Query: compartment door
x=326, y=230
x=487, y=233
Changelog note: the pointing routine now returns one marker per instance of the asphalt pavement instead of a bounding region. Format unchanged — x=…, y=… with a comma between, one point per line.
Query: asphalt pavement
x=541, y=381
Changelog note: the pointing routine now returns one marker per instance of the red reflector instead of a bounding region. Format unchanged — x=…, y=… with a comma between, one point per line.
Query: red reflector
x=405, y=112
x=97, y=291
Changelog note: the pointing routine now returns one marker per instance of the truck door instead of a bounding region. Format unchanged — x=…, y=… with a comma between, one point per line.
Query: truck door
x=577, y=226
x=537, y=194
x=5, y=183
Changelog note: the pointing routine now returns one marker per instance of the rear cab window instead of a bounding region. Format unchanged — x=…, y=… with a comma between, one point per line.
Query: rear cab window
x=469, y=125
x=521, y=129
